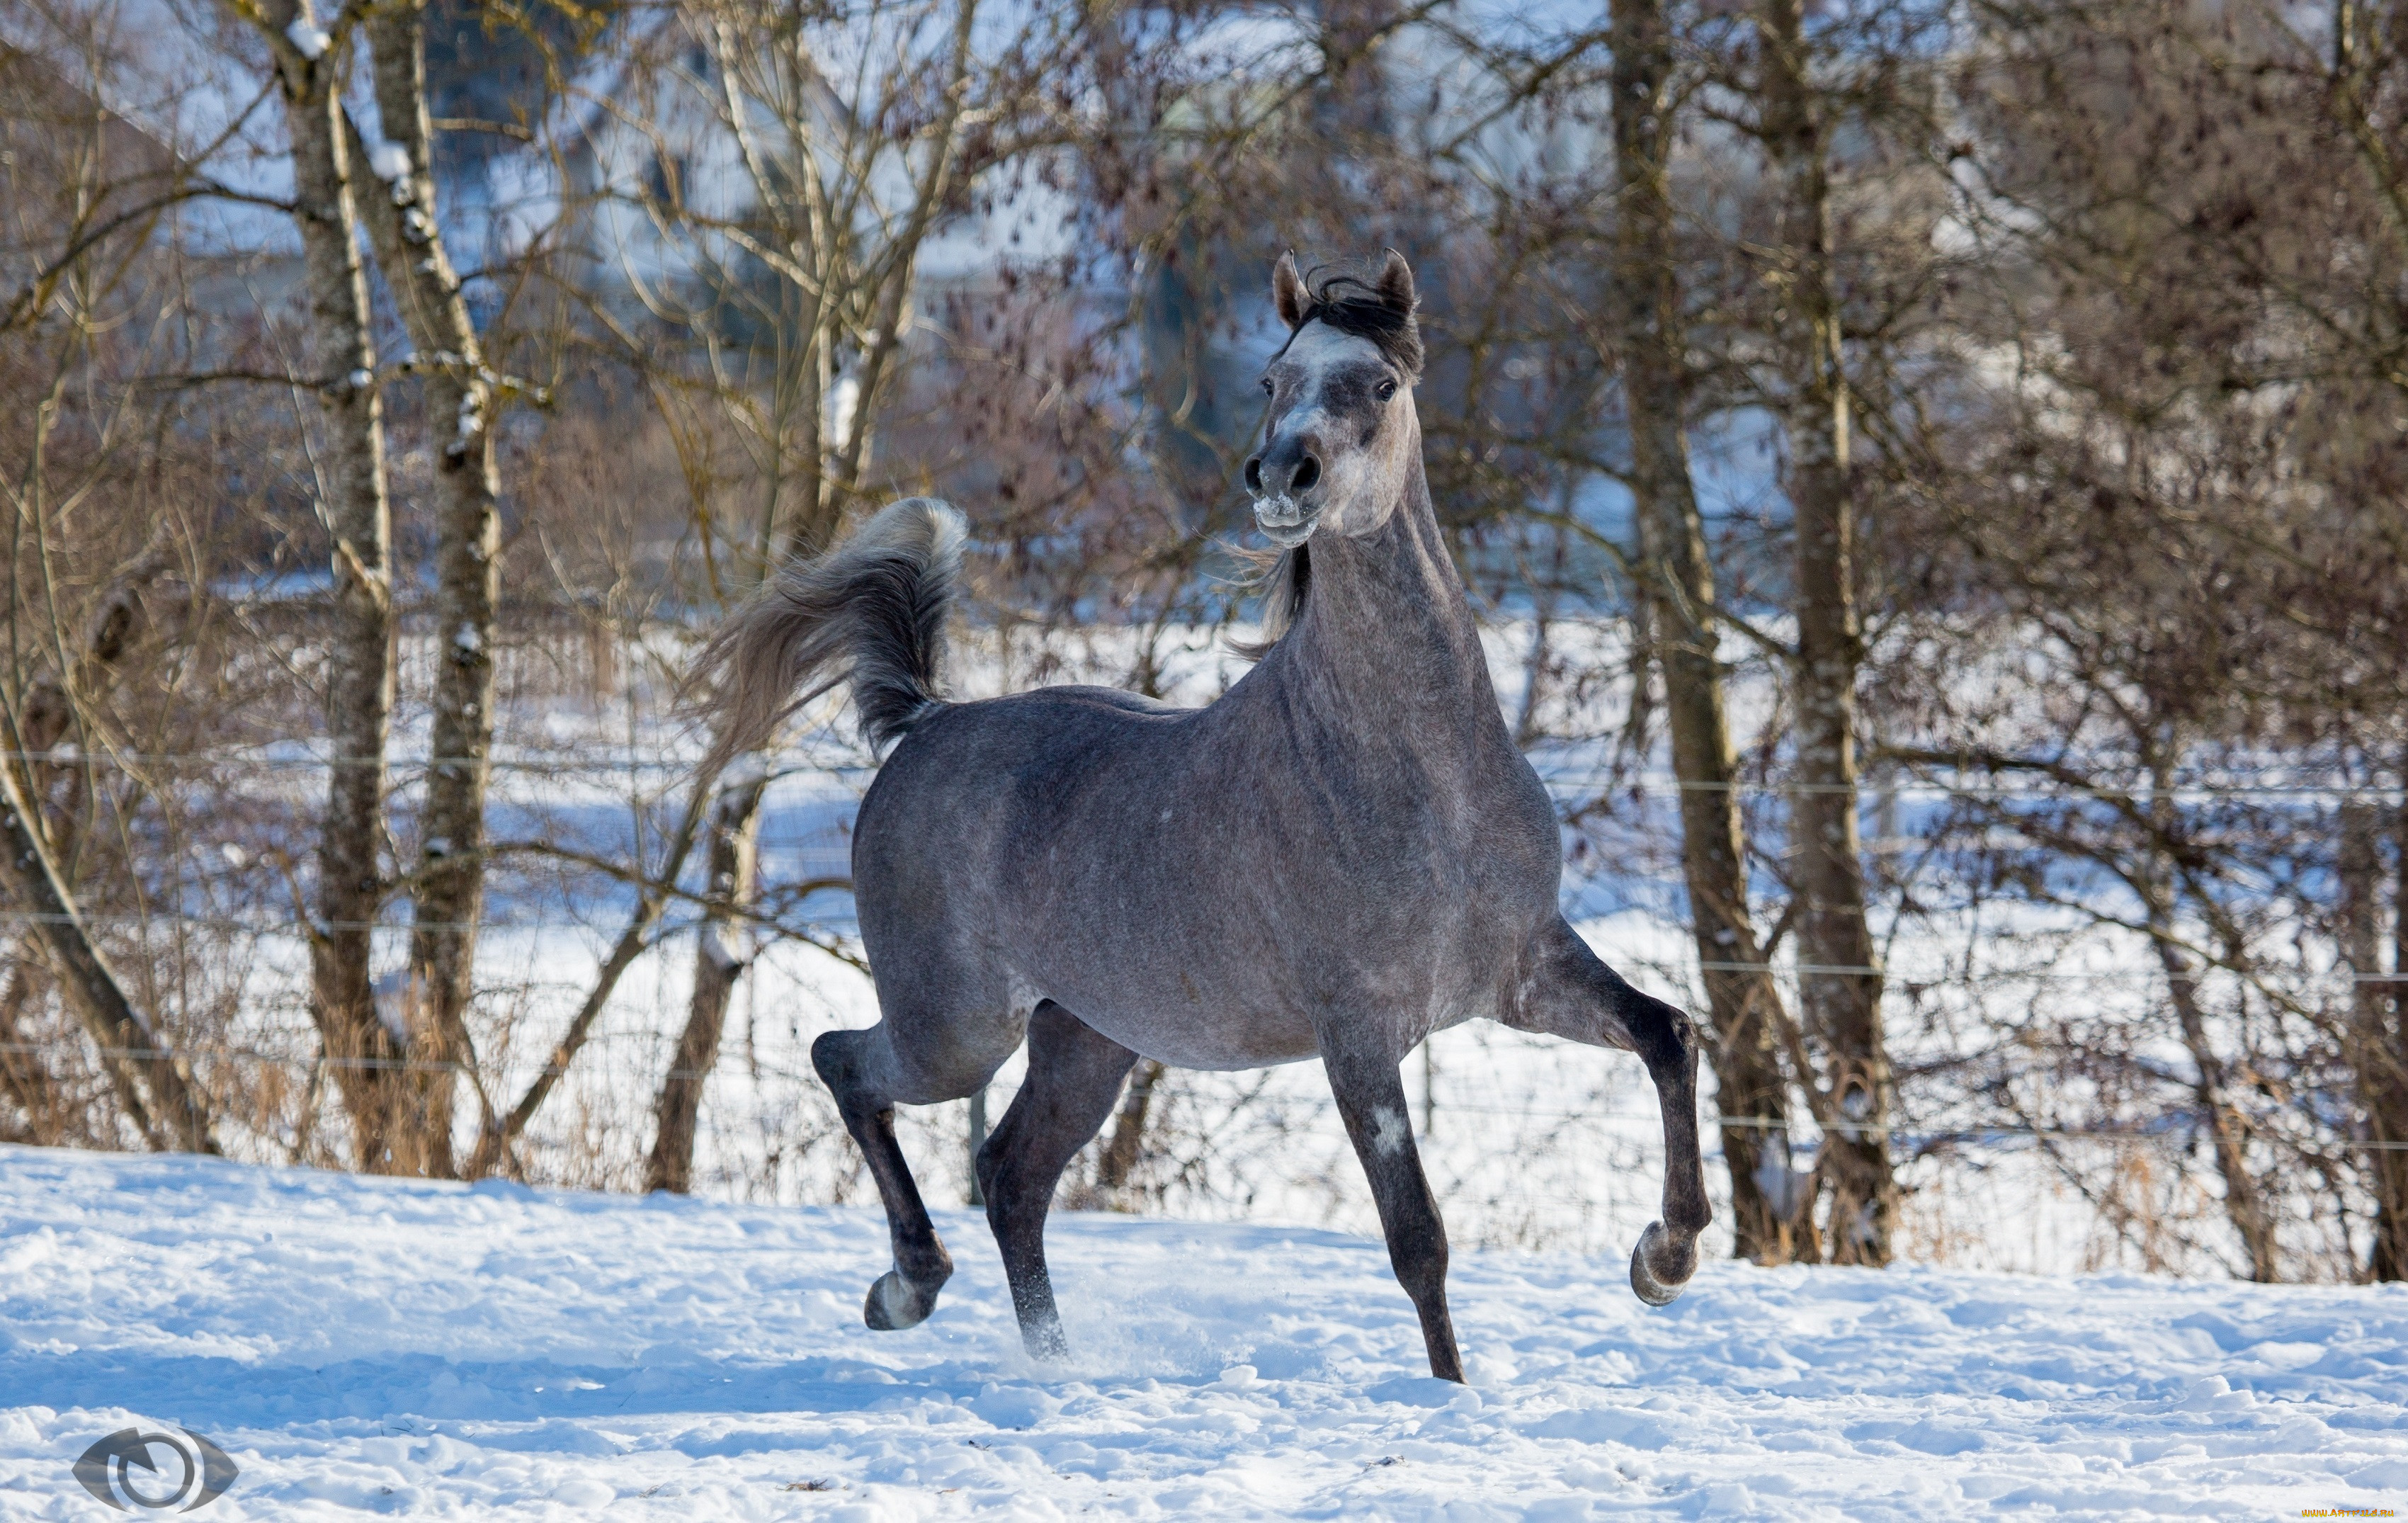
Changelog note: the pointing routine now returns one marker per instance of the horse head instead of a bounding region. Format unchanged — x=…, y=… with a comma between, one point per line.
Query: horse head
x=1342, y=435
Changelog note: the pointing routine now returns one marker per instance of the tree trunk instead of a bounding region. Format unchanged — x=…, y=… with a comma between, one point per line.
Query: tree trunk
x=23, y=1082
x=1186, y=434
x=1542, y=614
x=24, y=1079
x=152, y=1084
x=1677, y=577
x=450, y=879
x=2227, y=1130
x=1125, y=1147
x=368, y=1056
x=1838, y=992
x=2378, y=1054
x=734, y=830
x=795, y=520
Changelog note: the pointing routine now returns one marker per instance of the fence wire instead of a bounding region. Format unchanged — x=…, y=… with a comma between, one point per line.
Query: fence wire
x=1869, y=787
x=2164, y=1125
x=767, y=1109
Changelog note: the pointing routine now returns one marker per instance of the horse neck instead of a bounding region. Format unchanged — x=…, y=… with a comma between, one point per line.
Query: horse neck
x=1386, y=632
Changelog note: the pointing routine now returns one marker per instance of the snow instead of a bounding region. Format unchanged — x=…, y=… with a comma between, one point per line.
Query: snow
x=398, y=1346
x=310, y=40
x=389, y=161
x=391, y=991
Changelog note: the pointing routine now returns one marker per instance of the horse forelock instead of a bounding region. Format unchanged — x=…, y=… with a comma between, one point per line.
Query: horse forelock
x=1345, y=300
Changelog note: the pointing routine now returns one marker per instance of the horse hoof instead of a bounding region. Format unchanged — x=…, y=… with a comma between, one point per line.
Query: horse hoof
x=1644, y=1282
x=894, y=1303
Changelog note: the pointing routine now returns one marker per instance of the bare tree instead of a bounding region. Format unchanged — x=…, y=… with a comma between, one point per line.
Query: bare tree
x=1675, y=574
x=1839, y=982
x=847, y=134
x=85, y=195
x=370, y=1056
x=461, y=398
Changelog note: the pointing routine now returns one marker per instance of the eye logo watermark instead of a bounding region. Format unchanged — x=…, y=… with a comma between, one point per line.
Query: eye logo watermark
x=189, y=1473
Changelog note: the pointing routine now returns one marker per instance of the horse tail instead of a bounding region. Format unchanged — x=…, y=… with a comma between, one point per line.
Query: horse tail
x=871, y=611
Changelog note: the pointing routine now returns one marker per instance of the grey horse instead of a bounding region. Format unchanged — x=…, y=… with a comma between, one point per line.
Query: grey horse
x=1341, y=855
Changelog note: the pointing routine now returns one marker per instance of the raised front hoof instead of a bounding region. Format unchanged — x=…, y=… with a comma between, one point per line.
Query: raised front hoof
x=1659, y=1269
x=894, y=1303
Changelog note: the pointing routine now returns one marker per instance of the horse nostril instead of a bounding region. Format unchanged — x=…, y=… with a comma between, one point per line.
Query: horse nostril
x=1255, y=474
x=1308, y=471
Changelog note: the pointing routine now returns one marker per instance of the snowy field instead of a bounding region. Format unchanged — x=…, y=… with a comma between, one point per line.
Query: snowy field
x=369, y=1345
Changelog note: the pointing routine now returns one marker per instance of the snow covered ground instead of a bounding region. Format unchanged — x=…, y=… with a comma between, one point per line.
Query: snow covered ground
x=372, y=1346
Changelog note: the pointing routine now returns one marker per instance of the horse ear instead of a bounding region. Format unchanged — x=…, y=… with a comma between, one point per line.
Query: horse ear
x=1287, y=291
x=1396, y=283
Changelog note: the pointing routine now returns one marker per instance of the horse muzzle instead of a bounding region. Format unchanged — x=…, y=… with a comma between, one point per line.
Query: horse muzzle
x=1288, y=522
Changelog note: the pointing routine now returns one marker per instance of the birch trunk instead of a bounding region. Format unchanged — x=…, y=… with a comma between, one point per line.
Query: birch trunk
x=734, y=833
x=1677, y=579
x=368, y=1057
x=1838, y=992
x=448, y=883
x=2391, y=1222
x=2378, y=1056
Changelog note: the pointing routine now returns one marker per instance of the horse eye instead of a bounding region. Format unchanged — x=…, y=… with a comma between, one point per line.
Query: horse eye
x=1387, y=388
x=1266, y=385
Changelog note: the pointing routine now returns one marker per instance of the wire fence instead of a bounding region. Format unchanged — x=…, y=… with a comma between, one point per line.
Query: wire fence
x=1877, y=784
x=298, y=929
x=1549, y=1150
x=1898, y=1129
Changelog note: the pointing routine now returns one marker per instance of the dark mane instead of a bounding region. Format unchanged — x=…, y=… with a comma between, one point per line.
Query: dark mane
x=1281, y=576
x=1346, y=297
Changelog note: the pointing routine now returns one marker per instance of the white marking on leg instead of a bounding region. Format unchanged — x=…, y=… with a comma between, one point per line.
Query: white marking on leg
x=1391, y=1133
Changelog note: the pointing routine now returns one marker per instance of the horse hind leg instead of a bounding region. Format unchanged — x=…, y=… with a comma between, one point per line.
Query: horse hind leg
x=853, y=1064
x=1074, y=1079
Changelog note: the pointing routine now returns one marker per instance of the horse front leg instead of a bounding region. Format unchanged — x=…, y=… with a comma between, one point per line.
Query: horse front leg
x=1371, y=1091
x=1570, y=993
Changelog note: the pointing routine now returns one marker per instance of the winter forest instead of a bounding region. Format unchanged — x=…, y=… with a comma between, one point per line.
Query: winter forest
x=1933, y=478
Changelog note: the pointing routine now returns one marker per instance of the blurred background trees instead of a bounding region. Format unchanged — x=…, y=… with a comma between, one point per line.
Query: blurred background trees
x=1933, y=477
